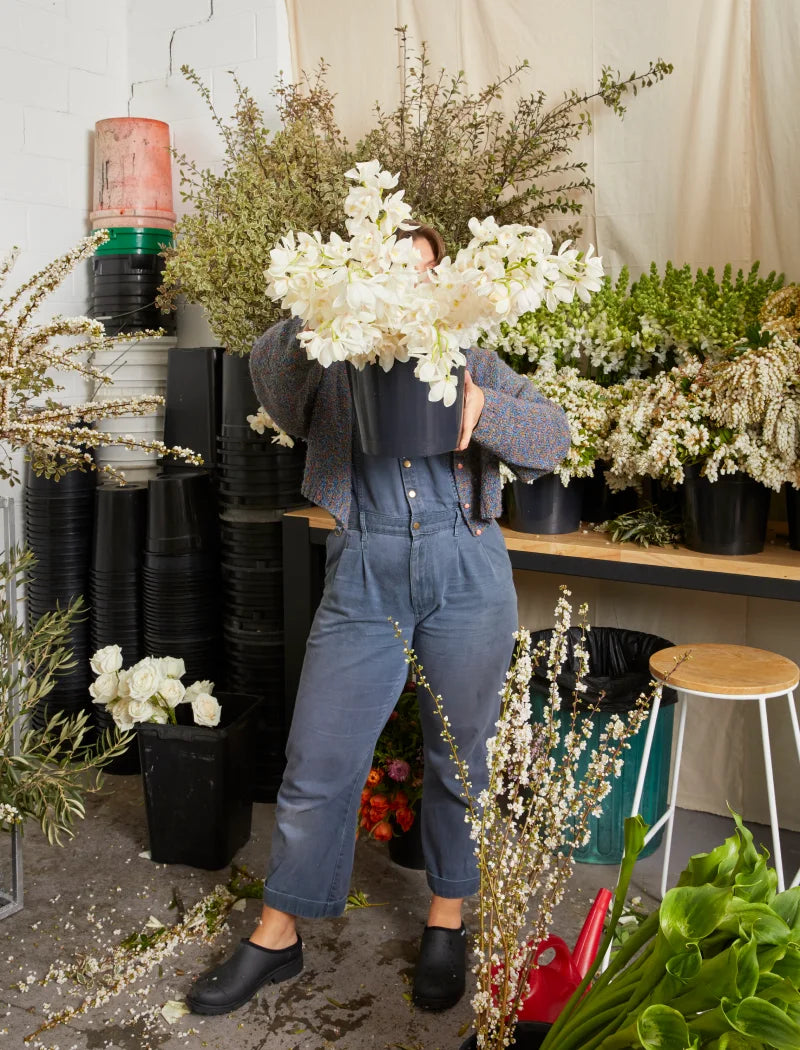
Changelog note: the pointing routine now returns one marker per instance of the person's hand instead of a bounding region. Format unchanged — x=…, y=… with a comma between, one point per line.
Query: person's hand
x=473, y=406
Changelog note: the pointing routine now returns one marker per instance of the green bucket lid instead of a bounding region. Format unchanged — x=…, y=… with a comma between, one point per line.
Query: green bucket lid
x=147, y=240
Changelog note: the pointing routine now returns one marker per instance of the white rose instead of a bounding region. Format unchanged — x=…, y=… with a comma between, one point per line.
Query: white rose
x=144, y=679
x=196, y=688
x=172, y=667
x=121, y=715
x=104, y=687
x=141, y=710
x=123, y=684
x=206, y=709
x=172, y=691
x=107, y=660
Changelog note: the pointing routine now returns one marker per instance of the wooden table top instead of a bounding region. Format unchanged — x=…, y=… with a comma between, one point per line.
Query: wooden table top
x=777, y=560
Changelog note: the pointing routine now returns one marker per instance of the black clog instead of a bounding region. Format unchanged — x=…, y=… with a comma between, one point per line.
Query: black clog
x=440, y=976
x=235, y=981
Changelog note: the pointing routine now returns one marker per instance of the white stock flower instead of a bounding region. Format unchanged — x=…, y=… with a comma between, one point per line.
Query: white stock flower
x=206, y=709
x=172, y=691
x=143, y=679
x=104, y=687
x=107, y=660
x=363, y=301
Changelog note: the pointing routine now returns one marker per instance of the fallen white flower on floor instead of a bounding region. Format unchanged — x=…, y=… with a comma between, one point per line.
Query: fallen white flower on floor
x=173, y=1010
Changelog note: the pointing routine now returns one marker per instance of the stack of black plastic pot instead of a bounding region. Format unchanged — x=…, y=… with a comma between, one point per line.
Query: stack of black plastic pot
x=58, y=529
x=180, y=577
x=257, y=481
x=120, y=518
x=126, y=274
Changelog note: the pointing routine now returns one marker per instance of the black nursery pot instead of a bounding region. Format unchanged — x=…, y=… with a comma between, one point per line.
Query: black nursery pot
x=793, y=516
x=545, y=506
x=395, y=417
x=528, y=1035
x=197, y=786
x=728, y=516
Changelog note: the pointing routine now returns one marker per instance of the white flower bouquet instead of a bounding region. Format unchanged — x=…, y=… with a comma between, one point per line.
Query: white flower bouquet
x=363, y=300
x=149, y=691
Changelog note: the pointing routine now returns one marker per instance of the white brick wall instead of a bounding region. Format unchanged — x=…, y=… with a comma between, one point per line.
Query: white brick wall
x=65, y=64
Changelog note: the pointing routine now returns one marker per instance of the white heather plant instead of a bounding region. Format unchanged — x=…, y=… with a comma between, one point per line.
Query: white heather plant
x=58, y=437
x=532, y=816
x=742, y=414
x=363, y=301
x=149, y=691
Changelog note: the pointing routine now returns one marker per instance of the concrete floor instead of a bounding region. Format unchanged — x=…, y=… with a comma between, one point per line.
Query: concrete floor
x=353, y=993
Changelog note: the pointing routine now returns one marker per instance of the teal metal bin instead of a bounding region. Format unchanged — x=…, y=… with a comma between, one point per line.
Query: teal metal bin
x=607, y=842
x=618, y=673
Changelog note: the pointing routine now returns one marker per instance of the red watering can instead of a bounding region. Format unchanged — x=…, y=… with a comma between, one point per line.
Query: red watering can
x=552, y=983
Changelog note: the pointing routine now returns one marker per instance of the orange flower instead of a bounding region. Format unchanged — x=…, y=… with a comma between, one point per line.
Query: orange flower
x=375, y=777
x=400, y=800
x=383, y=831
x=378, y=806
x=366, y=795
x=405, y=818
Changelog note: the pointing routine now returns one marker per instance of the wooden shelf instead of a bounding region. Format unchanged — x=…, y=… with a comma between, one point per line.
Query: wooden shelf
x=777, y=561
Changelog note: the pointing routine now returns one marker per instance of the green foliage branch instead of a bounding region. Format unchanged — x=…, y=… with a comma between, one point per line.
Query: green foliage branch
x=46, y=778
x=458, y=156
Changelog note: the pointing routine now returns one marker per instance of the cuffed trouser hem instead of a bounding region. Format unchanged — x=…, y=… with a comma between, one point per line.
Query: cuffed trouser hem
x=453, y=889
x=302, y=908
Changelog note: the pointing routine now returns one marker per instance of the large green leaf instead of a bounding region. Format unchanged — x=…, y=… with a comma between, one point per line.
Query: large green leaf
x=752, y=919
x=787, y=905
x=690, y=913
x=765, y=1021
x=734, y=1041
x=732, y=974
x=662, y=1028
x=757, y=883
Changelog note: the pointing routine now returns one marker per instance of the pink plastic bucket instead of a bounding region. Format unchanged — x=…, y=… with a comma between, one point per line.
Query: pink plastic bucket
x=132, y=170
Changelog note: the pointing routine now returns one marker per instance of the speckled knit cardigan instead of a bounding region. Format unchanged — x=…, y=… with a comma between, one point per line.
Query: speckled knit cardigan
x=517, y=424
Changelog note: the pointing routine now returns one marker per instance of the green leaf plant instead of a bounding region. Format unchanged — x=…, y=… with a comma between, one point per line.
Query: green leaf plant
x=715, y=967
x=46, y=778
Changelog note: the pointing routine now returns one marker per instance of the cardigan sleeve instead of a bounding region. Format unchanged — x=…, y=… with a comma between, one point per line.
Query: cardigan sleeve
x=284, y=379
x=518, y=424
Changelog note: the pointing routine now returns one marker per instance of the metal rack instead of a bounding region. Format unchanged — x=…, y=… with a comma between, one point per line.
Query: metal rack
x=11, y=897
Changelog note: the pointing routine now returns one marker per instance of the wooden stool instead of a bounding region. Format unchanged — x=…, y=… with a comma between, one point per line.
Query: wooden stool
x=729, y=672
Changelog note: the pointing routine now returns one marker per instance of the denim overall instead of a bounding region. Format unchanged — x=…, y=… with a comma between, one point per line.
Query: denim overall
x=407, y=554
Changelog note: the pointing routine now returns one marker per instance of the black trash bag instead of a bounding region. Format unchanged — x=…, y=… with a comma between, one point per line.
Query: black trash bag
x=619, y=668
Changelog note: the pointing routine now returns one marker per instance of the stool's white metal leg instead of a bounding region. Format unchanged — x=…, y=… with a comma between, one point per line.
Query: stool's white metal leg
x=773, y=809
x=648, y=743
x=796, y=728
x=673, y=795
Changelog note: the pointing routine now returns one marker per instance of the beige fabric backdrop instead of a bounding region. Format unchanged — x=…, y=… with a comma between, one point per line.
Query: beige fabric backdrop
x=702, y=170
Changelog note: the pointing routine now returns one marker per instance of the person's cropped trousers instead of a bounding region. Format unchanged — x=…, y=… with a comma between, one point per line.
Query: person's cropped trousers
x=453, y=596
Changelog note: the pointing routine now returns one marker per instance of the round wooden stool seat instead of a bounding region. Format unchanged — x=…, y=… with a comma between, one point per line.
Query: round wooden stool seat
x=725, y=670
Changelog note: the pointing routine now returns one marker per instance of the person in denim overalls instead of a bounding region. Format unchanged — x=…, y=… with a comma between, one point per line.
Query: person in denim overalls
x=415, y=541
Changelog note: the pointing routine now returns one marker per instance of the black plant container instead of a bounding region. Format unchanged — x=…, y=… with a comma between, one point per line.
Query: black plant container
x=395, y=417
x=793, y=516
x=197, y=786
x=728, y=516
x=545, y=506
x=528, y=1035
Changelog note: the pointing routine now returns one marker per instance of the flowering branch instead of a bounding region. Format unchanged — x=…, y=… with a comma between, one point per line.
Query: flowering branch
x=59, y=438
x=534, y=813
